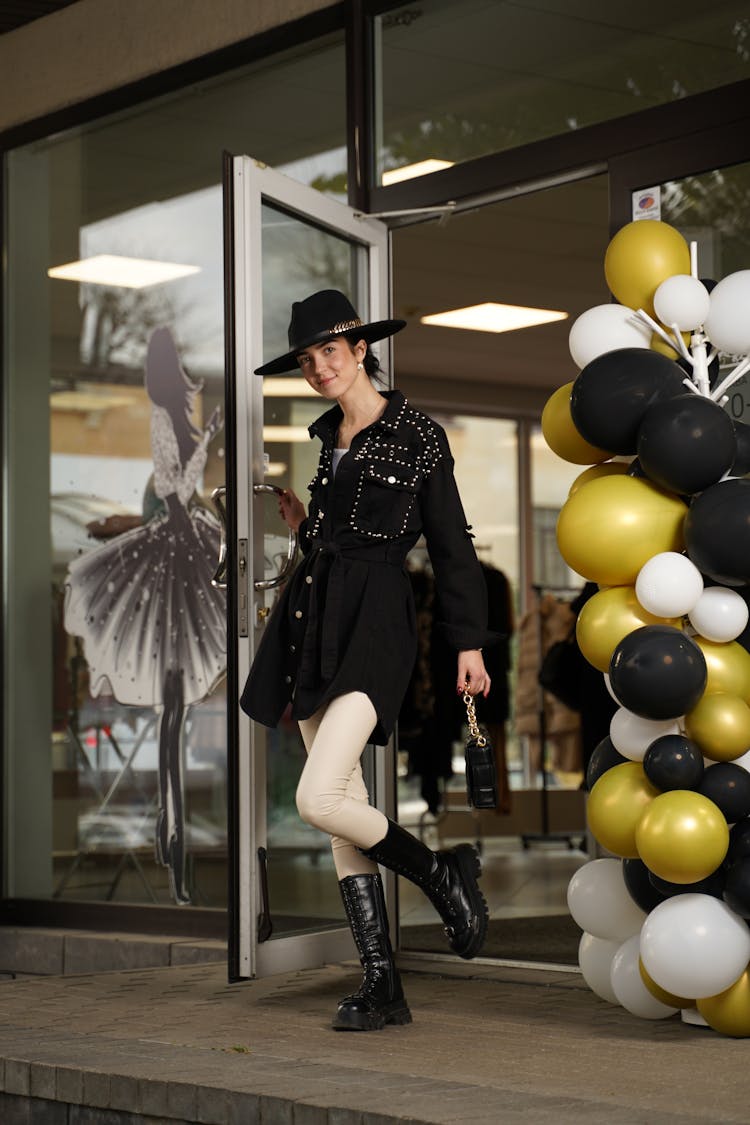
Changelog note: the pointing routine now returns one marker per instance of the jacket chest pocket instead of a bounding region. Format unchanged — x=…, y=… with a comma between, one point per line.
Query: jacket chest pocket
x=385, y=498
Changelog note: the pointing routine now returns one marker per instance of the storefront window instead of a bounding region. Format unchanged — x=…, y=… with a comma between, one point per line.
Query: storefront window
x=115, y=729
x=460, y=81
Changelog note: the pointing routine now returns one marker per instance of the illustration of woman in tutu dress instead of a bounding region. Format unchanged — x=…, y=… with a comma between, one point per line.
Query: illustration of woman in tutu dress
x=153, y=626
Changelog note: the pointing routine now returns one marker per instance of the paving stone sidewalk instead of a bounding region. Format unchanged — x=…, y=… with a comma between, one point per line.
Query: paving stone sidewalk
x=488, y=1045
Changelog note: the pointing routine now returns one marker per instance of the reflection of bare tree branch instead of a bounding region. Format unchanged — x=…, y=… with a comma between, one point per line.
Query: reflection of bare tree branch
x=298, y=259
x=117, y=324
x=529, y=90
x=118, y=321
x=323, y=262
x=720, y=201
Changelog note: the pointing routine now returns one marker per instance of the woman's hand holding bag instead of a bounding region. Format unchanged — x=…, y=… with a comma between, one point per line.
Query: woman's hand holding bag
x=481, y=778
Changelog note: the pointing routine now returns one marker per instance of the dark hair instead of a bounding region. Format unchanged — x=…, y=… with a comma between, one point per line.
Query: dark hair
x=371, y=362
x=168, y=385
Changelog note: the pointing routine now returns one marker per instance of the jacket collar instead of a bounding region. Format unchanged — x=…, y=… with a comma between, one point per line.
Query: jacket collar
x=326, y=425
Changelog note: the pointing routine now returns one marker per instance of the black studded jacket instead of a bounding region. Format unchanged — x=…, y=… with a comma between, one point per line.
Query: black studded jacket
x=345, y=622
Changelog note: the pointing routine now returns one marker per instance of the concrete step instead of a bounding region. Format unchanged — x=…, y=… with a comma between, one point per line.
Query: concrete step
x=37, y=951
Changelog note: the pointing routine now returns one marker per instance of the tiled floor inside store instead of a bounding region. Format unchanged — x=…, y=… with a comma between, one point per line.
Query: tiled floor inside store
x=516, y=882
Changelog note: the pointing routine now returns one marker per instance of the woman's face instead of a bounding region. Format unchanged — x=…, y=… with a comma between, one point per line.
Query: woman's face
x=331, y=368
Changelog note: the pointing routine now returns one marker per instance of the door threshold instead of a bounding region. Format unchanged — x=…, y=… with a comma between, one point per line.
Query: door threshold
x=446, y=962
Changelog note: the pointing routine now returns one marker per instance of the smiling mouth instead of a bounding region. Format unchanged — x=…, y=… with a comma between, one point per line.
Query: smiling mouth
x=325, y=382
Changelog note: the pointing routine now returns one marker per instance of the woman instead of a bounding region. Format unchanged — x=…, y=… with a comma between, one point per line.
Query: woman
x=341, y=641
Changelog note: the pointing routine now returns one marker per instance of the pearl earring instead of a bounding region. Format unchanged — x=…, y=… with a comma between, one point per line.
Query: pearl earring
x=360, y=366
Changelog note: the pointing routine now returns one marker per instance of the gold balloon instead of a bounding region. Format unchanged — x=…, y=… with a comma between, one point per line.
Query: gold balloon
x=729, y=1011
x=608, y=617
x=682, y=836
x=561, y=434
x=640, y=256
x=660, y=993
x=615, y=806
x=606, y=469
x=610, y=527
x=720, y=724
x=728, y=667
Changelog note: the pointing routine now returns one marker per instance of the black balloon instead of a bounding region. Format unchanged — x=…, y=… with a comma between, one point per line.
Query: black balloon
x=686, y=443
x=713, y=885
x=728, y=786
x=658, y=672
x=603, y=758
x=674, y=762
x=641, y=889
x=717, y=532
x=739, y=841
x=741, y=464
x=612, y=394
x=635, y=469
x=737, y=888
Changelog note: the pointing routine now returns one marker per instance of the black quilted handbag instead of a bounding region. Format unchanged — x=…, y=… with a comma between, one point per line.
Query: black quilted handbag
x=481, y=779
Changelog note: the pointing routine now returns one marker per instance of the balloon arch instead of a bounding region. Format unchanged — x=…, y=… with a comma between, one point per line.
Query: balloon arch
x=661, y=522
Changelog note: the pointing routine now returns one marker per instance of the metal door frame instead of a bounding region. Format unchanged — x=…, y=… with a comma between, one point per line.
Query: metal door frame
x=247, y=185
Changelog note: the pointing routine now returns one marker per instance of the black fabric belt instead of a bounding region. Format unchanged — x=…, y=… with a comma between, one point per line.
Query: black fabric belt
x=325, y=563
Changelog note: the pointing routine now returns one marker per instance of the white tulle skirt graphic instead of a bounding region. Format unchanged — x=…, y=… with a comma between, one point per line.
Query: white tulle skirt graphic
x=144, y=605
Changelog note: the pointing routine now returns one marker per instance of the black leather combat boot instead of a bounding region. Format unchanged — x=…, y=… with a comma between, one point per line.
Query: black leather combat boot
x=379, y=999
x=449, y=879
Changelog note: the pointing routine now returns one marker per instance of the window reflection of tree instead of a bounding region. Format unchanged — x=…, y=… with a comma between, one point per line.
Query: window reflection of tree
x=117, y=324
x=718, y=201
x=517, y=72
x=298, y=259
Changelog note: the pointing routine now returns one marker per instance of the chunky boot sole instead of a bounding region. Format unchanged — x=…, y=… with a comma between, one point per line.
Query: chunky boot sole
x=469, y=942
x=347, y=1019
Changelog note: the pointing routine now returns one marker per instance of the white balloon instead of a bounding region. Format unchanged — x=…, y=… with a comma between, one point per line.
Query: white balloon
x=608, y=686
x=628, y=987
x=694, y=945
x=668, y=585
x=604, y=328
x=728, y=322
x=600, y=903
x=682, y=300
x=744, y=761
x=595, y=959
x=719, y=614
x=632, y=735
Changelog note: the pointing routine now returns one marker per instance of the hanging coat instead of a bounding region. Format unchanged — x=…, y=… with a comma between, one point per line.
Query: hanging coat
x=346, y=622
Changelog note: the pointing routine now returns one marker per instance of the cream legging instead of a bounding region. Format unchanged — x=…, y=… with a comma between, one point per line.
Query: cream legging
x=331, y=794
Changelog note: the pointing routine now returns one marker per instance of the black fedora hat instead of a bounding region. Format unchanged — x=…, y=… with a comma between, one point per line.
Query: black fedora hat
x=320, y=317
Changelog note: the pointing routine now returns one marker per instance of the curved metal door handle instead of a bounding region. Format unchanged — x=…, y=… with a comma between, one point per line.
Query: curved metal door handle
x=219, y=579
x=271, y=583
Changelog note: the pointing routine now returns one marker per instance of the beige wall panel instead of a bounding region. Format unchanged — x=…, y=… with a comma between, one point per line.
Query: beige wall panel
x=97, y=45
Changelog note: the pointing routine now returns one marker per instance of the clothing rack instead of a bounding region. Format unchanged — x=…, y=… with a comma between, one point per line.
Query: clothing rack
x=545, y=836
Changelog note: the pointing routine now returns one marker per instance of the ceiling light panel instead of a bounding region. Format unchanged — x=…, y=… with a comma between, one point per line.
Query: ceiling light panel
x=493, y=317
x=409, y=171
x=119, y=272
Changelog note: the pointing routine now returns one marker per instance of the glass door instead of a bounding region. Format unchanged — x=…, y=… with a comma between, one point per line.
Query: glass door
x=283, y=242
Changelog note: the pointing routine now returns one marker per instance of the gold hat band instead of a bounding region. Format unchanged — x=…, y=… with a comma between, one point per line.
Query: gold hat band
x=345, y=326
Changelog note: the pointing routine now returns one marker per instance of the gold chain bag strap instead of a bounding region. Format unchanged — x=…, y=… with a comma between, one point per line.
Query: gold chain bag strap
x=481, y=779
